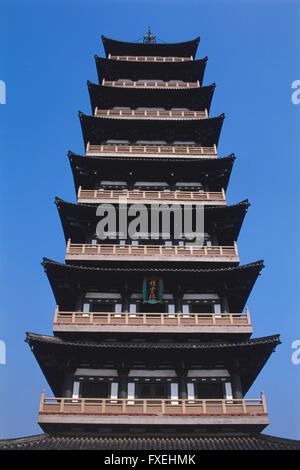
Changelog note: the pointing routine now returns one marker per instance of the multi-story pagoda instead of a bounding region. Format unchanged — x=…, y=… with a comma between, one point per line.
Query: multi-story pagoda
x=152, y=345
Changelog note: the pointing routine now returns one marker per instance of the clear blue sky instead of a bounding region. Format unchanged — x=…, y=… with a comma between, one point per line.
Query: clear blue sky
x=47, y=55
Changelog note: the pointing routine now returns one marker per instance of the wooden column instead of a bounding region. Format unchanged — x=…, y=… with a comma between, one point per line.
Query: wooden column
x=125, y=303
x=123, y=382
x=182, y=382
x=67, y=389
x=236, y=385
x=182, y=387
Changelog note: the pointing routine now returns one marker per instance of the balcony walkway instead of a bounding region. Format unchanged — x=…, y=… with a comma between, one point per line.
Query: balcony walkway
x=150, y=84
x=153, y=411
x=150, y=114
x=152, y=322
x=167, y=197
x=149, y=58
x=84, y=251
x=161, y=151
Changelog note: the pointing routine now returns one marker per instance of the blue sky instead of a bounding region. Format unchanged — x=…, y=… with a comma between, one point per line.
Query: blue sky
x=47, y=55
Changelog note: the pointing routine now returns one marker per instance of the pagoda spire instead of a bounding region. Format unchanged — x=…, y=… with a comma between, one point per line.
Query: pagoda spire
x=149, y=38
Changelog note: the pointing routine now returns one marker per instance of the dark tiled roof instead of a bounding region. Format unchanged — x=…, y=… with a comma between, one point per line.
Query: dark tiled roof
x=64, y=278
x=177, y=49
x=33, y=338
x=106, y=97
x=204, y=132
x=256, y=264
x=188, y=71
x=204, y=442
x=87, y=171
x=52, y=352
x=79, y=219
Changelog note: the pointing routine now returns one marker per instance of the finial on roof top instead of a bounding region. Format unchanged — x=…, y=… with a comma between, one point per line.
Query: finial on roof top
x=149, y=38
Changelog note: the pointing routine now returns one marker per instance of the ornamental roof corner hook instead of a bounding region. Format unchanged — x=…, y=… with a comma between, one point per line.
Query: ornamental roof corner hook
x=149, y=38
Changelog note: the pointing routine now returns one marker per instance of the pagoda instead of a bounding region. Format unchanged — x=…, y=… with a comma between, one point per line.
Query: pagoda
x=152, y=342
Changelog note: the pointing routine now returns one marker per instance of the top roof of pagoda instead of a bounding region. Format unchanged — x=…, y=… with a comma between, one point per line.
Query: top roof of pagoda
x=179, y=49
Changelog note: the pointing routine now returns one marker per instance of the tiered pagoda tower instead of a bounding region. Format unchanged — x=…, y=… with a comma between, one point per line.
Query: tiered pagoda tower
x=152, y=343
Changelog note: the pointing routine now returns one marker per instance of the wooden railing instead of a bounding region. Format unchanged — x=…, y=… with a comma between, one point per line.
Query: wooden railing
x=149, y=58
x=150, y=84
x=151, y=113
x=189, y=196
x=155, y=407
x=188, y=151
x=151, y=319
x=150, y=251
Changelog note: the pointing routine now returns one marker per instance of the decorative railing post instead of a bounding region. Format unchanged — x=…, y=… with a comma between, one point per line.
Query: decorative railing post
x=61, y=405
x=264, y=403
x=248, y=316
x=56, y=314
x=42, y=401
x=244, y=405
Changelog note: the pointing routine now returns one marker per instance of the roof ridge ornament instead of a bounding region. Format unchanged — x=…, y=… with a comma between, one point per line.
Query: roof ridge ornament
x=149, y=38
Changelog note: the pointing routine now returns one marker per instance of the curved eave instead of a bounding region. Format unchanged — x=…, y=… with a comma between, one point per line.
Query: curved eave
x=252, y=354
x=106, y=97
x=234, y=282
x=88, y=171
x=179, y=49
x=80, y=219
x=204, y=132
x=190, y=71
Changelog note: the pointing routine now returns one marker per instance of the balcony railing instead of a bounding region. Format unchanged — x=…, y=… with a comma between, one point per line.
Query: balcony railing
x=165, y=322
x=167, y=151
x=149, y=58
x=150, y=114
x=84, y=251
x=180, y=197
x=150, y=84
x=104, y=407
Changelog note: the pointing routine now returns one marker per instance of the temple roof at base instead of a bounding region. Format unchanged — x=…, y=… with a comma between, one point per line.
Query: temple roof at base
x=89, y=171
x=177, y=49
x=107, y=97
x=98, y=130
x=228, y=441
x=54, y=354
x=235, y=283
